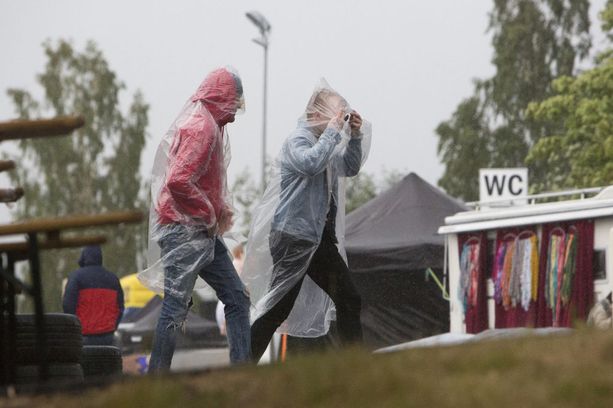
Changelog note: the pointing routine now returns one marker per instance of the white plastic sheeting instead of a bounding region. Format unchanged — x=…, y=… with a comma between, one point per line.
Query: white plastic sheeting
x=307, y=179
x=188, y=182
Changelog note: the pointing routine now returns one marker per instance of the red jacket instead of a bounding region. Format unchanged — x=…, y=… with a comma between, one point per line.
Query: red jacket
x=195, y=183
x=94, y=294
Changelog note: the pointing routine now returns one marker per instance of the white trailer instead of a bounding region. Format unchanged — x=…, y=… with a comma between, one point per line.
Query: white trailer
x=599, y=208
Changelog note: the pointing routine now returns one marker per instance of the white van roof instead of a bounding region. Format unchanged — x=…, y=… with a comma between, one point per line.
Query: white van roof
x=598, y=206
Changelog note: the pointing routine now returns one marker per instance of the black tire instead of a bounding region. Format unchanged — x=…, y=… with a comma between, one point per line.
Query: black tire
x=62, y=335
x=56, y=374
x=101, y=361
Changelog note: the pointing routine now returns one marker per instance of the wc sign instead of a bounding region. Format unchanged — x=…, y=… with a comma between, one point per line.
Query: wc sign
x=503, y=184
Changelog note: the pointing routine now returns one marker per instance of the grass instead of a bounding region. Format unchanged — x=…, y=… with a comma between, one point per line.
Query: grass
x=562, y=371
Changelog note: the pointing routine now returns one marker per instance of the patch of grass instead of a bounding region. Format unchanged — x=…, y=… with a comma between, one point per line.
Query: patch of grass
x=566, y=370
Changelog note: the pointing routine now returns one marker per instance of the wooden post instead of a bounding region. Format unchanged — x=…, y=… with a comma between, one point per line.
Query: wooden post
x=27, y=129
x=6, y=165
x=71, y=222
x=10, y=195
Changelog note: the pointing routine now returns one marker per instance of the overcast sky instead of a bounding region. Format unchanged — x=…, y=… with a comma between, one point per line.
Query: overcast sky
x=405, y=64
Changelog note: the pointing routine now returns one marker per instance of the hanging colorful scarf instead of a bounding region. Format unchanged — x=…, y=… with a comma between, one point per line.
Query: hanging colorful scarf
x=527, y=245
x=560, y=274
x=554, y=263
x=499, y=272
x=570, y=265
x=469, y=273
x=474, y=275
x=515, y=276
x=506, y=277
x=555, y=282
x=516, y=273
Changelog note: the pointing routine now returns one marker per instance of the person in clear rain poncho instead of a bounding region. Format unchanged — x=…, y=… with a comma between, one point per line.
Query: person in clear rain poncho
x=190, y=211
x=295, y=266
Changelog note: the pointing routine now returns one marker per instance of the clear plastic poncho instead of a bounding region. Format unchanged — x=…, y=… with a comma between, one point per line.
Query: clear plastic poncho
x=308, y=173
x=189, y=194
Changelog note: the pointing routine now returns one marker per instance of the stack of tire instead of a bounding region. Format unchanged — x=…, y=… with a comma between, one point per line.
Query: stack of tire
x=68, y=362
x=63, y=352
x=101, y=361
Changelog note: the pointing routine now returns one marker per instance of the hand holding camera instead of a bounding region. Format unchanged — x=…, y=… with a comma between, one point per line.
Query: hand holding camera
x=355, y=123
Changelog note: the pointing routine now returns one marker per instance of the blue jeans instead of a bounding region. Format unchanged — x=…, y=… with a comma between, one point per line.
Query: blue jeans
x=182, y=268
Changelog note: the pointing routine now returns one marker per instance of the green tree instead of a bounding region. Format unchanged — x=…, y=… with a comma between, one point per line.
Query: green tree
x=578, y=151
x=245, y=194
x=534, y=42
x=96, y=169
x=359, y=190
x=365, y=186
x=391, y=177
x=463, y=146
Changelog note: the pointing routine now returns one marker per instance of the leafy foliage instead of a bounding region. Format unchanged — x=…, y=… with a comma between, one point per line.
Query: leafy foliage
x=535, y=41
x=94, y=170
x=578, y=151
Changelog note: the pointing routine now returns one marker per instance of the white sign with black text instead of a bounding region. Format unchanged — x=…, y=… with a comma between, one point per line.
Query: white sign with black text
x=503, y=184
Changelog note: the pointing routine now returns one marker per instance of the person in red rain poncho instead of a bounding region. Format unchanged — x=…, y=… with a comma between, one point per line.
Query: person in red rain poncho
x=191, y=211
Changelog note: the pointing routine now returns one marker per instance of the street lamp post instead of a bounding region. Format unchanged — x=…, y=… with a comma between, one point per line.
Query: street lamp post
x=264, y=26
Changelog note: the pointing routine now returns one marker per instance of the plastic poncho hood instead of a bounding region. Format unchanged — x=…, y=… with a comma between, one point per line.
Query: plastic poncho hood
x=222, y=94
x=189, y=193
x=308, y=175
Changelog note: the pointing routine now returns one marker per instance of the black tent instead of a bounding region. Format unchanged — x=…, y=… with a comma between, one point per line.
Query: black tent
x=391, y=241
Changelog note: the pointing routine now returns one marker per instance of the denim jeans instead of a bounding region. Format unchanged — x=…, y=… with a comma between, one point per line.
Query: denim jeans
x=181, y=271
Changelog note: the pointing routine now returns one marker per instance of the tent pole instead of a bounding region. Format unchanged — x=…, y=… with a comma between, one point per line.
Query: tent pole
x=441, y=286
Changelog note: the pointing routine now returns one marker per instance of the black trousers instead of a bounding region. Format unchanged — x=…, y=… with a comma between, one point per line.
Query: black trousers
x=327, y=269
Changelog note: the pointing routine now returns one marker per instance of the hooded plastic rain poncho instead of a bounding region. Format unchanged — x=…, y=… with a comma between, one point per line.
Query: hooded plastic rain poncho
x=188, y=183
x=296, y=202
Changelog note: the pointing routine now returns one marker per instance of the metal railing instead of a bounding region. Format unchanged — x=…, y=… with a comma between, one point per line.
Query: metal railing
x=531, y=199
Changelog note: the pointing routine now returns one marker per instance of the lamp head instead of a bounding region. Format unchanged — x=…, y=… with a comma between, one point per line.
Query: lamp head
x=259, y=21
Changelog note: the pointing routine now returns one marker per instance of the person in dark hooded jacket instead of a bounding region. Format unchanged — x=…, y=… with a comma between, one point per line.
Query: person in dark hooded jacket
x=95, y=296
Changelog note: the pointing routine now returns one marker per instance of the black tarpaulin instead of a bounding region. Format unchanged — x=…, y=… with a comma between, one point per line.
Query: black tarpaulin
x=197, y=333
x=391, y=241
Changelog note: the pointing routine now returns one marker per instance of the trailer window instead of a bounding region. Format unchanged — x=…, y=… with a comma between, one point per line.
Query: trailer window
x=599, y=268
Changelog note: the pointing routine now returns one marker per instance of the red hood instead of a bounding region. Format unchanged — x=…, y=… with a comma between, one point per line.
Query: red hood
x=219, y=94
